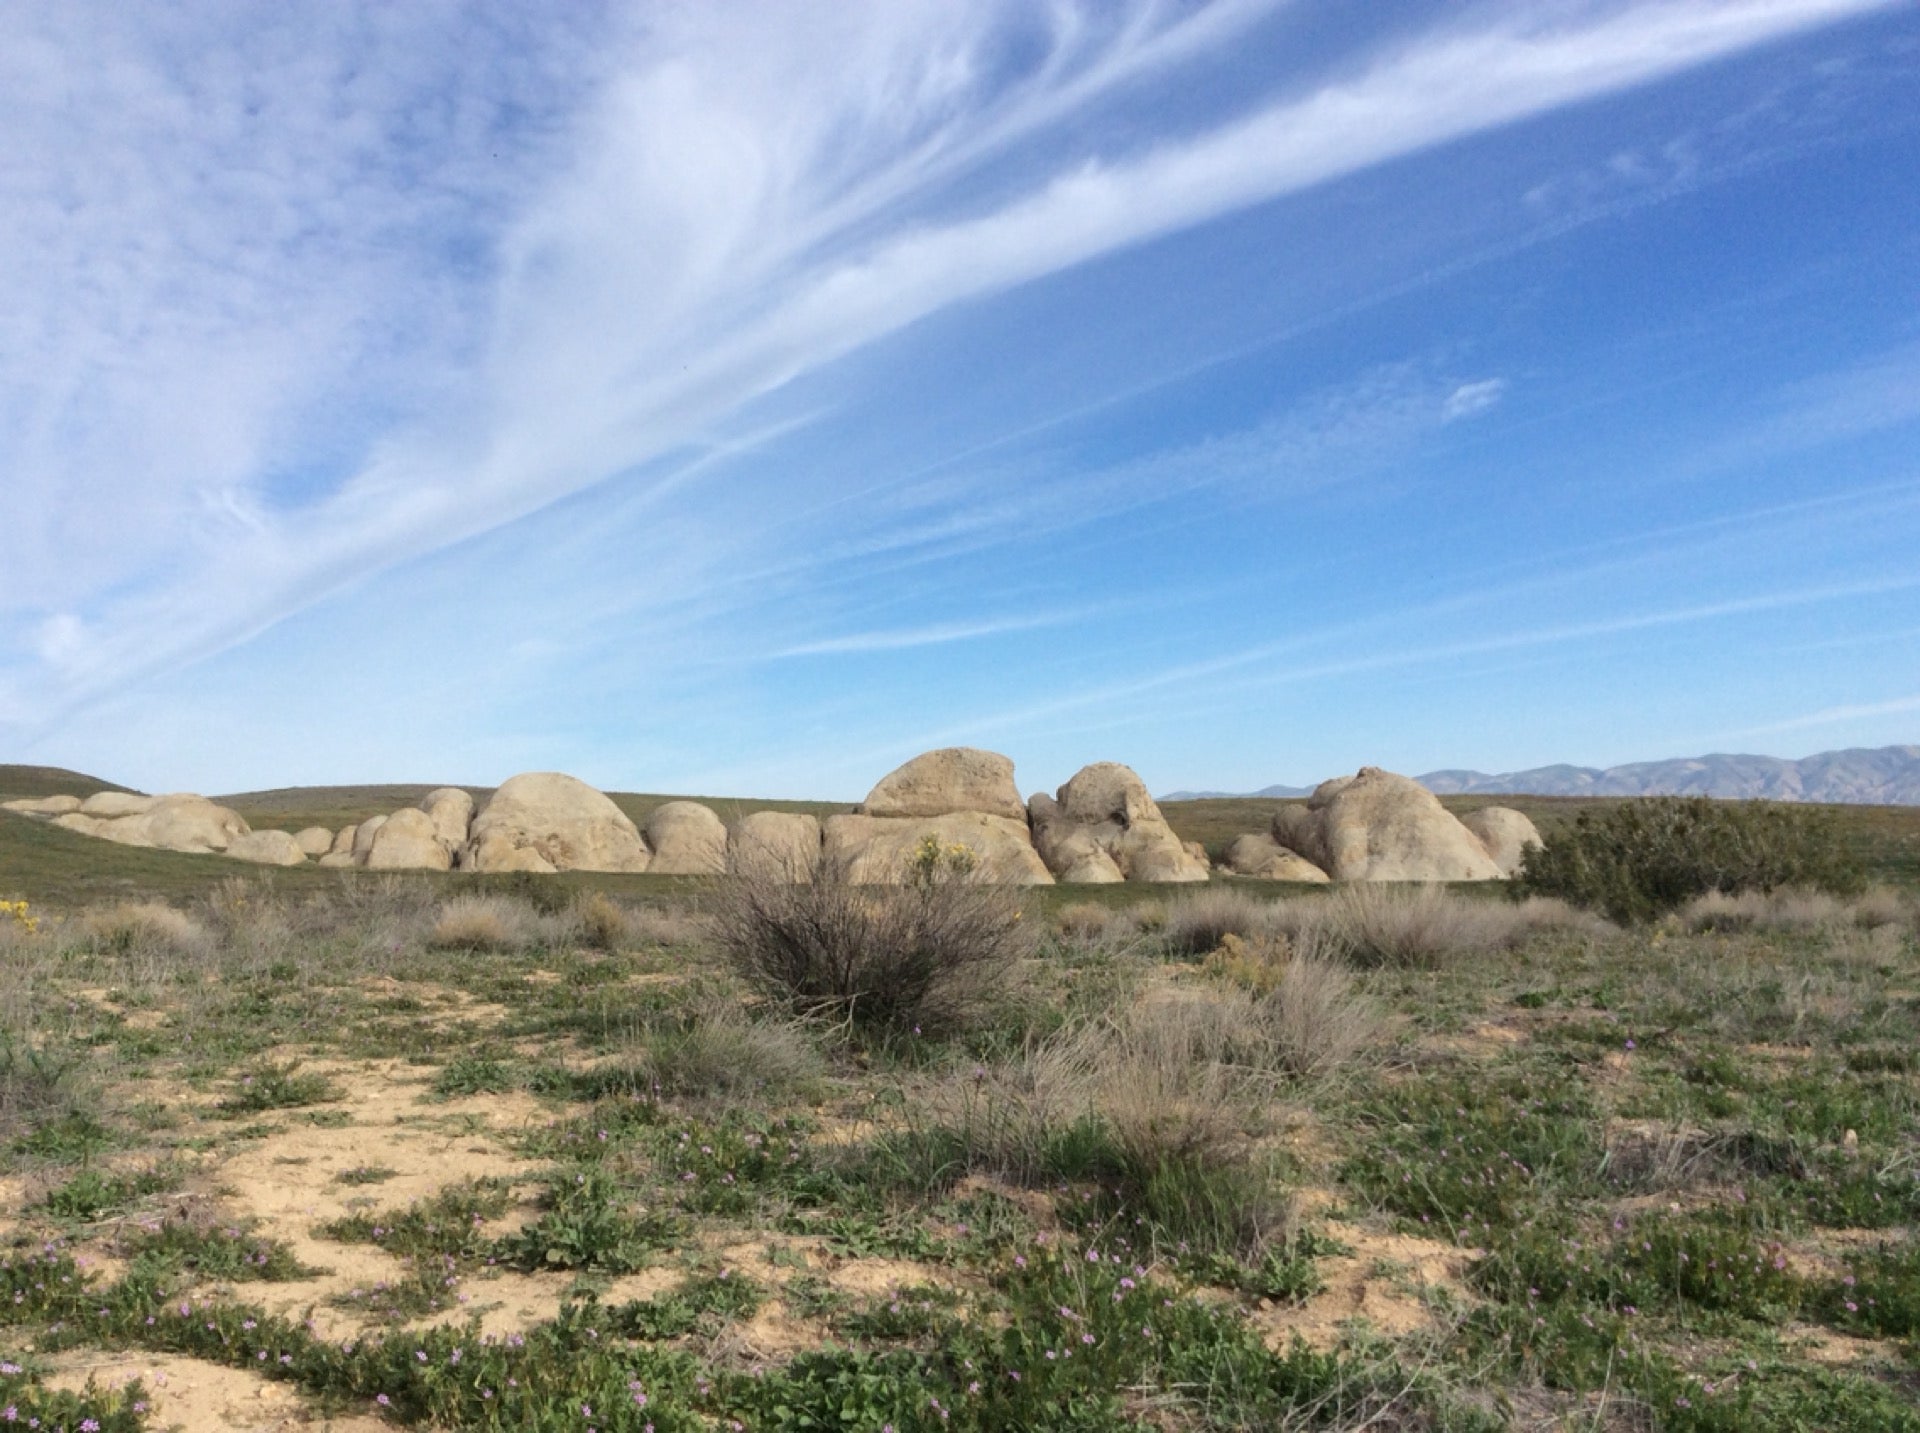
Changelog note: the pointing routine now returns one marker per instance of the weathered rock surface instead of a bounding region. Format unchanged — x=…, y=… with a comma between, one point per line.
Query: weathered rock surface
x=880, y=850
x=335, y=859
x=112, y=804
x=938, y=783
x=1377, y=826
x=314, y=840
x=1504, y=832
x=267, y=848
x=547, y=821
x=1105, y=807
x=343, y=841
x=408, y=841
x=81, y=824
x=1260, y=856
x=363, y=835
x=451, y=811
x=774, y=845
x=686, y=839
x=43, y=805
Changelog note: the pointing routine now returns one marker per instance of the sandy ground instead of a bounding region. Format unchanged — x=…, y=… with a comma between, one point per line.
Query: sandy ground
x=197, y=1397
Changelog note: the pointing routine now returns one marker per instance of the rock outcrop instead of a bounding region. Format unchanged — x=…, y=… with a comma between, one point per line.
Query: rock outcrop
x=1263, y=858
x=43, y=805
x=451, y=811
x=1504, y=833
x=363, y=837
x=774, y=845
x=408, y=840
x=547, y=821
x=880, y=850
x=1104, y=809
x=1377, y=826
x=686, y=839
x=114, y=804
x=938, y=783
x=314, y=841
x=267, y=848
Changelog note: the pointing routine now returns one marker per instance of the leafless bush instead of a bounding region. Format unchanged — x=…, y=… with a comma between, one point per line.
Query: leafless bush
x=928, y=956
x=1315, y=1020
x=602, y=922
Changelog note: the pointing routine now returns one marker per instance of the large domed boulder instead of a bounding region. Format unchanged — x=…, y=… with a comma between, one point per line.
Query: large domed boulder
x=1259, y=856
x=43, y=805
x=408, y=840
x=548, y=821
x=774, y=845
x=1505, y=833
x=938, y=783
x=882, y=850
x=267, y=848
x=1105, y=807
x=451, y=811
x=687, y=839
x=1378, y=826
x=314, y=841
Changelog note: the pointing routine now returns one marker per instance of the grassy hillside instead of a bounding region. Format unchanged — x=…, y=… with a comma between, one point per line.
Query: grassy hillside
x=18, y=782
x=290, y=808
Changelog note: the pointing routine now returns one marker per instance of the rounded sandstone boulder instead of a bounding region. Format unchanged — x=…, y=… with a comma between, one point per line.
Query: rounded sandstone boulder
x=1505, y=833
x=1259, y=856
x=1105, y=807
x=548, y=821
x=686, y=839
x=1379, y=826
x=774, y=845
x=43, y=805
x=114, y=804
x=267, y=848
x=314, y=840
x=451, y=811
x=408, y=841
x=879, y=850
x=939, y=783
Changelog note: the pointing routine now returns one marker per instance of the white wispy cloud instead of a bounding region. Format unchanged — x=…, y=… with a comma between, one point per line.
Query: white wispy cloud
x=1836, y=716
x=933, y=635
x=250, y=241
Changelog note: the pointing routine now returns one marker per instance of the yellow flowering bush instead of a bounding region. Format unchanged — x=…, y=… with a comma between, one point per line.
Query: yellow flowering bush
x=18, y=913
x=934, y=861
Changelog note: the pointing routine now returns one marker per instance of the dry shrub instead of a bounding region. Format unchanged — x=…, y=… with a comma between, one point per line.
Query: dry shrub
x=1084, y=922
x=1792, y=910
x=1883, y=906
x=666, y=927
x=930, y=956
x=147, y=929
x=721, y=1049
x=486, y=923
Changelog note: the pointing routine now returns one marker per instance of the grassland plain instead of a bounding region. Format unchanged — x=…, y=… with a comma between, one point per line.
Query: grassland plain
x=402, y=1151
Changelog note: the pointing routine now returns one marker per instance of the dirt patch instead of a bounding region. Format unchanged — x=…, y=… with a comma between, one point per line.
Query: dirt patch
x=1485, y=1041
x=192, y=1395
x=455, y=1007
x=1835, y=1350
x=1385, y=1281
x=872, y=1277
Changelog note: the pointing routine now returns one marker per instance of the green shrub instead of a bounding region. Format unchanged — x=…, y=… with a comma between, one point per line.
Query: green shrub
x=1644, y=858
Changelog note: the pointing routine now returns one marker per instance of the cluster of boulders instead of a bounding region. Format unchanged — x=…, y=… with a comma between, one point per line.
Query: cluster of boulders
x=1100, y=827
x=1376, y=826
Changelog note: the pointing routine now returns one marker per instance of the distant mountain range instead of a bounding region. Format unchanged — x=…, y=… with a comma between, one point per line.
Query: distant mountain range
x=1880, y=776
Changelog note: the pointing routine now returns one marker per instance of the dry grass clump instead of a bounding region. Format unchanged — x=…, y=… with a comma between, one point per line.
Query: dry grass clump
x=666, y=927
x=721, y=1049
x=602, y=922
x=496, y=923
x=1794, y=911
x=1315, y=1020
x=1410, y=927
x=1198, y=923
x=146, y=928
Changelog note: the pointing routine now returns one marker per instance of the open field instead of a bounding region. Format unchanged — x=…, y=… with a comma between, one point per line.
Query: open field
x=364, y=1152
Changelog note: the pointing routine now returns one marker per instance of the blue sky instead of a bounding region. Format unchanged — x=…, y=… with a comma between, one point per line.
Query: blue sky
x=739, y=399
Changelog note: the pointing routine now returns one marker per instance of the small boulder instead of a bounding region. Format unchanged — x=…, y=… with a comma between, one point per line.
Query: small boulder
x=1505, y=833
x=687, y=839
x=775, y=845
x=1106, y=807
x=43, y=805
x=267, y=848
x=408, y=841
x=881, y=850
x=547, y=821
x=113, y=804
x=343, y=841
x=451, y=811
x=1259, y=856
x=938, y=783
x=314, y=840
